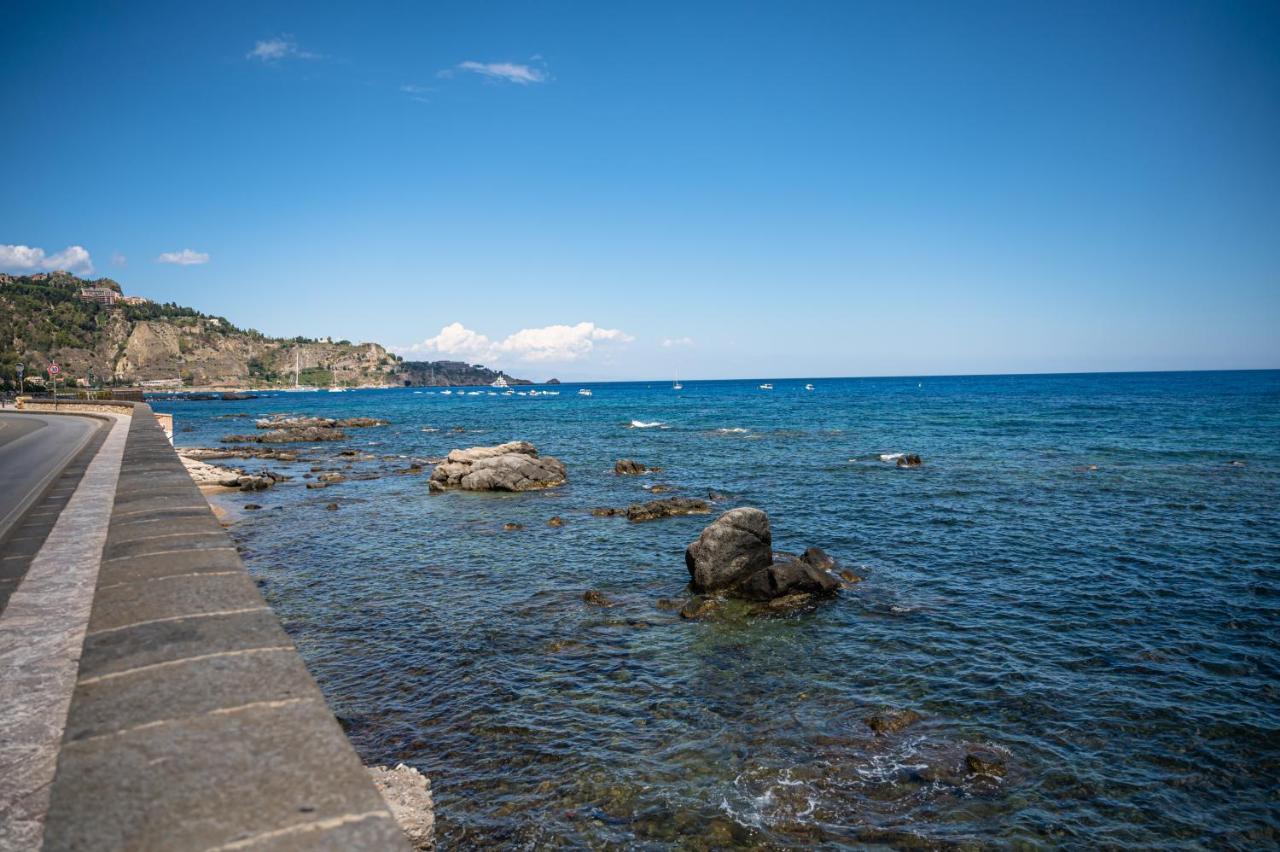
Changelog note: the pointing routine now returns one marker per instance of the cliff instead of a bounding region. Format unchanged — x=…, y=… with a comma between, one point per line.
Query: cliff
x=95, y=333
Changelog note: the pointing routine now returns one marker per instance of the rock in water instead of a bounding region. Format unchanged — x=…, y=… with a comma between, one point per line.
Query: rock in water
x=892, y=721
x=667, y=508
x=786, y=578
x=627, y=467
x=731, y=548
x=985, y=761
x=408, y=793
x=909, y=460
x=514, y=466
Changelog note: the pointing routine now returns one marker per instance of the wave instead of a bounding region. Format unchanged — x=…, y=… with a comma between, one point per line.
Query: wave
x=641, y=424
x=890, y=457
x=735, y=430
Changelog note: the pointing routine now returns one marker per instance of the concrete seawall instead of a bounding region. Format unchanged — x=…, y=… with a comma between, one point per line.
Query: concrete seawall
x=193, y=723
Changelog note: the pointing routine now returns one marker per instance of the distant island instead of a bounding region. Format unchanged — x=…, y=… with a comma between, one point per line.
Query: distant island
x=101, y=337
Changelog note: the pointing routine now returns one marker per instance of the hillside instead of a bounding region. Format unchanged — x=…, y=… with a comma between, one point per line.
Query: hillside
x=99, y=335
x=451, y=374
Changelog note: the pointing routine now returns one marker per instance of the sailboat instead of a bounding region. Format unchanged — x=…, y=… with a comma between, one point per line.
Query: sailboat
x=297, y=373
x=677, y=385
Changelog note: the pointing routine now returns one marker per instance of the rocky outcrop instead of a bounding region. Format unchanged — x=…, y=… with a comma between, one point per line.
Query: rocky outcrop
x=305, y=435
x=909, y=460
x=205, y=474
x=408, y=793
x=320, y=422
x=734, y=557
x=667, y=508
x=513, y=466
x=627, y=467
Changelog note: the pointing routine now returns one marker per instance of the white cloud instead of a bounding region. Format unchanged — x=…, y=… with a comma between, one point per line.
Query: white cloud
x=278, y=48
x=186, y=257
x=30, y=259
x=547, y=344
x=670, y=342
x=509, y=71
x=117, y=259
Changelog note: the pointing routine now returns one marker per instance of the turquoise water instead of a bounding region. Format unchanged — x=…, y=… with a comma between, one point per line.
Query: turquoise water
x=1111, y=631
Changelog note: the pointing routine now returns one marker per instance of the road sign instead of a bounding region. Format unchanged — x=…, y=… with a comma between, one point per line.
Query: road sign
x=22, y=368
x=54, y=369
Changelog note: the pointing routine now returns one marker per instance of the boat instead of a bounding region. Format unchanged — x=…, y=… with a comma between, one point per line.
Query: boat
x=808, y=387
x=766, y=386
x=584, y=391
x=499, y=382
x=676, y=385
x=297, y=373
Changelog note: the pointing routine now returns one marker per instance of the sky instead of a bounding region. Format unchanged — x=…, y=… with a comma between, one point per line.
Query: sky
x=643, y=190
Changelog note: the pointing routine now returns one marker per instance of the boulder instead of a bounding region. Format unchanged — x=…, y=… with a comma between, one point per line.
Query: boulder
x=597, y=598
x=556, y=521
x=786, y=578
x=667, y=508
x=734, y=546
x=627, y=467
x=909, y=460
x=514, y=466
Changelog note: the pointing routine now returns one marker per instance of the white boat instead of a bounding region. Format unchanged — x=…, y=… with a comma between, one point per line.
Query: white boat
x=808, y=387
x=676, y=385
x=297, y=373
x=766, y=386
x=584, y=391
x=499, y=382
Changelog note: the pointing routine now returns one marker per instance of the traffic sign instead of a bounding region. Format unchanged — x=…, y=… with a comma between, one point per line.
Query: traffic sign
x=22, y=368
x=54, y=369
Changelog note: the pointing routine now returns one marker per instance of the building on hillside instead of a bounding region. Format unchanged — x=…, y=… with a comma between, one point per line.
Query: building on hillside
x=104, y=296
x=133, y=300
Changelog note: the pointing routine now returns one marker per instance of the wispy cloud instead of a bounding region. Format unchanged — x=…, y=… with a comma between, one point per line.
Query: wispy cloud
x=278, y=49
x=671, y=342
x=552, y=343
x=510, y=72
x=186, y=257
x=16, y=258
x=117, y=259
x=417, y=92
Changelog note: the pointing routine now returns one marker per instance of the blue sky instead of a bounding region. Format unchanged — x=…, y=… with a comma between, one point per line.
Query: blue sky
x=597, y=190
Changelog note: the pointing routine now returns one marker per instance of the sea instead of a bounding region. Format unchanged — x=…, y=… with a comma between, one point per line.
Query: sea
x=1081, y=582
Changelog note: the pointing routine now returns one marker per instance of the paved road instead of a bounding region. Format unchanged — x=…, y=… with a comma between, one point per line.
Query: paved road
x=34, y=448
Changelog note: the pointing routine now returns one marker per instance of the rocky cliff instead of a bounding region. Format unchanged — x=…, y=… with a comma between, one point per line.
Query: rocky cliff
x=56, y=318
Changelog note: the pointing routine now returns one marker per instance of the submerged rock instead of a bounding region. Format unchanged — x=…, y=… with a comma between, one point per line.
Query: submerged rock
x=659, y=488
x=909, y=460
x=514, y=466
x=891, y=721
x=699, y=607
x=667, y=508
x=310, y=434
x=512, y=527
x=556, y=521
x=597, y=598
x=408, y=793
x=985, y=761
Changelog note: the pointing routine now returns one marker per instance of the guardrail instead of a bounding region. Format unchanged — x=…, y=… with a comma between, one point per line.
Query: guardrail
x=194, y=723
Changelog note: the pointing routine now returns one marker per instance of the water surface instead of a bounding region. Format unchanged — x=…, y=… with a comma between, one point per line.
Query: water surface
x=1084, y=576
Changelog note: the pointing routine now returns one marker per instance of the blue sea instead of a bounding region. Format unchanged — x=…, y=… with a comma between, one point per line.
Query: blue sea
x=1083, y=578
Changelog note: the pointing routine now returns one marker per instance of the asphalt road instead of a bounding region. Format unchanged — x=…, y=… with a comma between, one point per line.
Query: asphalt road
x=34, y=448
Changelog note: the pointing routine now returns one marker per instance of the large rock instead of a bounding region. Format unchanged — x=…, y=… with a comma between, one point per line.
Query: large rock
x=734, y=546
x=629, y=467
x=514, y=466
x=787, y=578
